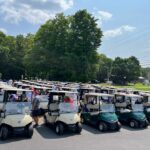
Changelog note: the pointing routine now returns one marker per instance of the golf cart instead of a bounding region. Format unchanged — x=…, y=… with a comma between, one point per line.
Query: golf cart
x=42, y=95
x=69, y=89
x=129, y=109
x=146, y=103
x=63, y=112
x=83, y=90
x=15, y=113
x=107, y=90
x=99, y=111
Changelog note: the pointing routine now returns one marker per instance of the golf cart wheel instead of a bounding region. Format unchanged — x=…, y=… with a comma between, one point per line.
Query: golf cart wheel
x=29, y=131
x=102, y=126
x=4, y=132
x=133, y=124
x=59, y=129
x=145, y=125
x=78, y=128
x=118, y=127
x=82, y=120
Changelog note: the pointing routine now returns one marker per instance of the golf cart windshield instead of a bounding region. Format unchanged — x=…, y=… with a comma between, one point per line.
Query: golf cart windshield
x=68, y=107
x=137, y=107
x=18, y=108
x=69, y=104
x=136, y=100
x=106, y=99
x=43, y=98
x=1, y=95
x=18, y=96
x=1, y=98
x=119, y=99
x=107, y=108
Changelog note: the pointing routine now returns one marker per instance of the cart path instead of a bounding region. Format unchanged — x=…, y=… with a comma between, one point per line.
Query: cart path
x=44, y=138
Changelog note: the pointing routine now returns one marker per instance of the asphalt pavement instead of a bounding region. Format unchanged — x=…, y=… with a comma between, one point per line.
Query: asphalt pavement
x=44, y=138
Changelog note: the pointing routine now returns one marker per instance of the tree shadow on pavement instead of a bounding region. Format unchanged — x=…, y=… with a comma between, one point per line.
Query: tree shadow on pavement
x=14, y=138
x=94, y=130
x=49, y=132
x=133, y=129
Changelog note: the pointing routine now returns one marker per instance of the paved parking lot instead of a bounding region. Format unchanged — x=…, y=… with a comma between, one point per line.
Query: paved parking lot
x=90, y=139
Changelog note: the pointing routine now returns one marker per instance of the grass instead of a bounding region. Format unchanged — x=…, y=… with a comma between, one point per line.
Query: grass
x=137, y=86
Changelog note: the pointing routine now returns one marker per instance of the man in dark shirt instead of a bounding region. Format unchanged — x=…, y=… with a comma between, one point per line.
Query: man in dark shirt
x=35, y=110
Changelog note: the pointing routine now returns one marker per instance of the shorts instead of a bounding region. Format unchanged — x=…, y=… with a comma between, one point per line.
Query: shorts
x=36, y=113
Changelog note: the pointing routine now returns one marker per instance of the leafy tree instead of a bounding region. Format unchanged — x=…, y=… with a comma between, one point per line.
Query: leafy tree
x=65, y=48
x=134, y=69
x=85, y=39
x=125, y=70
x=104, y=68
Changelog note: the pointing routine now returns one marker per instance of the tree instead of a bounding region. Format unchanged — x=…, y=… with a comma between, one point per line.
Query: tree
x=145, y=72
x=65, y=48
x=104, y=68
x=85, y=39
x=119, y=71
x=125, y=70
x=134, y=69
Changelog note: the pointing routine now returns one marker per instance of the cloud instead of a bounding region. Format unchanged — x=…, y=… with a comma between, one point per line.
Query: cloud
x=102, y=16
x=3, y=30
x=118, y=31
x=32, y=11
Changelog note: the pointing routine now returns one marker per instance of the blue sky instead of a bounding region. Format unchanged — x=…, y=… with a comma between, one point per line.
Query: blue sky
x=125, y=24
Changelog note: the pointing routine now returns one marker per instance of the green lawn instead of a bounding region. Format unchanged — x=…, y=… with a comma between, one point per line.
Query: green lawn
x=137, y=86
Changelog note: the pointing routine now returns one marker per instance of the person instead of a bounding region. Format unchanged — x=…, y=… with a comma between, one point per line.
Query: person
x=13, y=98
x=35, y=110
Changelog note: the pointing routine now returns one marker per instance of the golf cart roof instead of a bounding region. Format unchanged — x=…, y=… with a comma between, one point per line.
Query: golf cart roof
x=68, y=87
x=69, y=92
x=128, y=95
x=98, y=94
x=145, y=94
x=3, y=86
x=16, y=89
x=87, y=88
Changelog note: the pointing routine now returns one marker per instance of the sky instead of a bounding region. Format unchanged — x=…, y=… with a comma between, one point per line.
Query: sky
x=125, y=23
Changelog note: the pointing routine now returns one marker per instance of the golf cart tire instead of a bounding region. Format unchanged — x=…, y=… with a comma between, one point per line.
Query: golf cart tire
x=79, y=128
x=118, y=127
x=29, y=131
x=59, y=129
x=102, y=126
x=83, y=120
x=133, y=124
x=4, y=132
x=145, y=124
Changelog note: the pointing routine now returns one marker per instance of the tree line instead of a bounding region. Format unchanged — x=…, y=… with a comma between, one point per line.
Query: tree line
x=64, y=49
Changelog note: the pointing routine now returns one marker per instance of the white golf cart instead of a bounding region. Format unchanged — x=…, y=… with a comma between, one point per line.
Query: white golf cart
x=63, y=112
x=15, y=113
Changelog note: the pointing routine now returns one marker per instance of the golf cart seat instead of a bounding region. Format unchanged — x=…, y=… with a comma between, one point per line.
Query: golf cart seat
x=54, y=107
x=122, y=105
x=125, y=110
x=93, y=107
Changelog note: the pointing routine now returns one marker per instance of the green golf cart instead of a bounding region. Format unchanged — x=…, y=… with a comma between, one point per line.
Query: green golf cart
x=129, y=109
x=99, y=111
x=146, y=103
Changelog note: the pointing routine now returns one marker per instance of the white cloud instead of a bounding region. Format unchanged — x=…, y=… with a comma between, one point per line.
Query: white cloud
x=33, y=11
x=118, y=31
x=102, y=16
x=3, y=30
